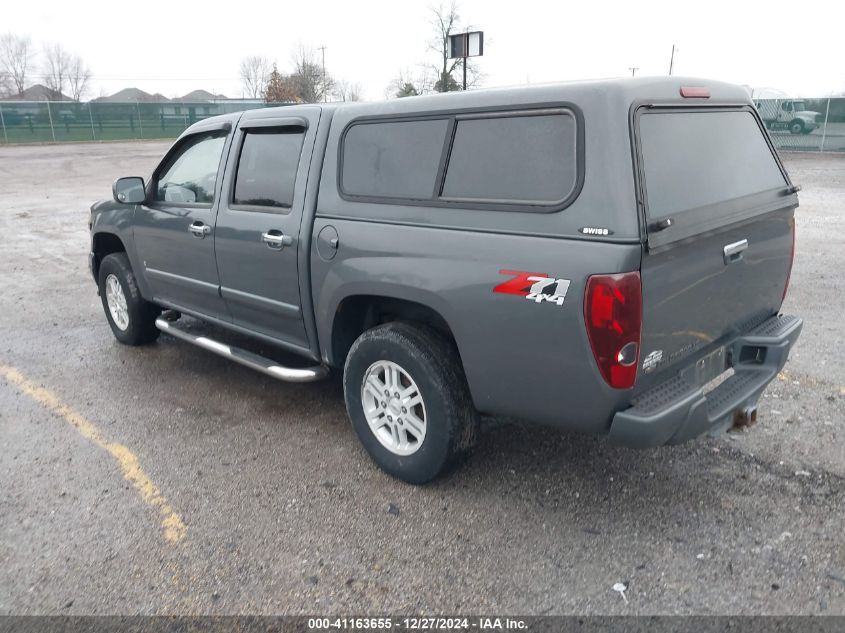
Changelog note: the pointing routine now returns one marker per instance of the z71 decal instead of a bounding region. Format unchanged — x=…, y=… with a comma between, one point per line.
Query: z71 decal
x=537, y=287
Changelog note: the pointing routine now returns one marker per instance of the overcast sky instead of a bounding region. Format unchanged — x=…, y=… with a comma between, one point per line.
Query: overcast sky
x=173, y=47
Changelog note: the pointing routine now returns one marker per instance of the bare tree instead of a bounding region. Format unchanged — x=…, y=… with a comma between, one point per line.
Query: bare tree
x=347, y=91
x=444, y=22
x=78, y=77
x=57, y=63
x=6, y=85
x=312, y=83
x=255, y=72
x=15, y=58
x=410, y=84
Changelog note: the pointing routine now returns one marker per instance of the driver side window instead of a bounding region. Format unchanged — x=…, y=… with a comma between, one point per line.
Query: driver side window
x=190, y=175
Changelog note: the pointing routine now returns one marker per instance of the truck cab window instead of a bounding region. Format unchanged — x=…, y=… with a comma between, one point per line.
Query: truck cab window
x=190, y=174
x=267, y=167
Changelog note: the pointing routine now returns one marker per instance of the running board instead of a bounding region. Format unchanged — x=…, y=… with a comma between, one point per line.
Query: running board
x=242, y=356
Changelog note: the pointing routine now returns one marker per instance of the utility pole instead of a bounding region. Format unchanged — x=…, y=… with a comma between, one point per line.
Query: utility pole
x=633, y=70
x=672, y=60
x=325, y=95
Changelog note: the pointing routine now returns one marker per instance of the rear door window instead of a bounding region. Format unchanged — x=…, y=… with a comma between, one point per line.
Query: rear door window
x=703, y=165
x=267, y=167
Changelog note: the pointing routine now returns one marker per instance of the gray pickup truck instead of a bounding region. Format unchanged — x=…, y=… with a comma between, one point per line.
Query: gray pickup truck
x=607, y=257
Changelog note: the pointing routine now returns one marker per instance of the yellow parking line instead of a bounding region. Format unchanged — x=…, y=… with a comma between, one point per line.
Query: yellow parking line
x=172, y=524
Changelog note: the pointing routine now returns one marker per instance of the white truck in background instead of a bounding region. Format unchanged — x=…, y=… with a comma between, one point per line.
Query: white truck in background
x=787, y=114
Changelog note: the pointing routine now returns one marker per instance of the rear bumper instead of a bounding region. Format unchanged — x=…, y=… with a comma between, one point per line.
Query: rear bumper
x=675, y=411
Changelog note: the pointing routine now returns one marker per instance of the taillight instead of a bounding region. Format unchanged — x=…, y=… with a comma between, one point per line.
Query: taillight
x=791, y=259
x=695, y=92
x=613, y=312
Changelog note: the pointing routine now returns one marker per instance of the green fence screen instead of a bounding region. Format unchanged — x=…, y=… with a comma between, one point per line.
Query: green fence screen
x=61, y=121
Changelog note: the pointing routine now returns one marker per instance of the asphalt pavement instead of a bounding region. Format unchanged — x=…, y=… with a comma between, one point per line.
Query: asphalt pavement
x=165, y=480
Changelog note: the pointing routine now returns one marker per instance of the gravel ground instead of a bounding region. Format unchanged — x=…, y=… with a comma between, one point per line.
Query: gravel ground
x=282, y=512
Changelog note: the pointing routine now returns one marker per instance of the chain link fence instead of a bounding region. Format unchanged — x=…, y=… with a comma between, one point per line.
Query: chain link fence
x=61, y=121
x=814, y=125
x=805, y=125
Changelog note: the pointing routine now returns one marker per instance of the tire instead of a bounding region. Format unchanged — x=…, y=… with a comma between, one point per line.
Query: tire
x=796, y=127
x=133, y=323
x=430, y=363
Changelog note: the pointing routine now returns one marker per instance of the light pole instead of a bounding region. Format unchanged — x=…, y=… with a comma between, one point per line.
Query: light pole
x=672, y=60
x=633, y=70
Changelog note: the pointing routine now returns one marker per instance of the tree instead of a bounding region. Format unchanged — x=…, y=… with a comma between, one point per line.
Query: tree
x=15, y=57
x=255, y=71
x=444, y=22
x=407, y=89
x=279, y=89
x=6, y=86
x=410, y=84
x=57, y=63
x=310, y=81
x=78, y=77
x=447, y=83
x=347, y=91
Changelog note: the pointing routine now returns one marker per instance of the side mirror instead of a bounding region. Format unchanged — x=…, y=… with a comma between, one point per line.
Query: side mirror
x=129, y=190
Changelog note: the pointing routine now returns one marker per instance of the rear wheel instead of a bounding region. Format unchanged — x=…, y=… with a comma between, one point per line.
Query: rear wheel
x=131, y=318
x=408, y=400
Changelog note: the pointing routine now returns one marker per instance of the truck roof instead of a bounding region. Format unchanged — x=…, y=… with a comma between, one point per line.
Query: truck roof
x=622, y=89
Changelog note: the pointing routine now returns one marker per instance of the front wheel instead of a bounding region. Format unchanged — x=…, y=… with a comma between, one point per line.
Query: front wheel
x=408, y=400
x=796, y=127
x=132, y=319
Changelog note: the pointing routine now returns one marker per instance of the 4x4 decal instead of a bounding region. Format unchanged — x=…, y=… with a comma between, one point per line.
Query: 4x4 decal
x=537, y=287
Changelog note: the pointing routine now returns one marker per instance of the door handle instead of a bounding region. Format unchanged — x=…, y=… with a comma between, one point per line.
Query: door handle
x=733, y=252
x=276, y=240
x=199, y=229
